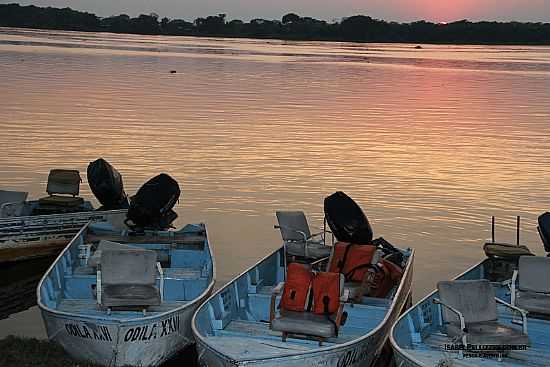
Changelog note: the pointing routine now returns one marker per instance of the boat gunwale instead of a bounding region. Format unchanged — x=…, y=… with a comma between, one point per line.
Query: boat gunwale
x=60, y=215
x=203, y=342
x=113, y=320
x=394, y=344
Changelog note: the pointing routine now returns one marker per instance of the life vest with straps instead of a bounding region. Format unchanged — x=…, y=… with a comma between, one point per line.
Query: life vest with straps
x=352, y=260
x=385, y=277
x=297, y=285
x=326, y=293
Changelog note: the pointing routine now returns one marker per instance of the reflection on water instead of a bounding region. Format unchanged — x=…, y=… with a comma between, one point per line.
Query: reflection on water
x=18, y=282
x=430, y=142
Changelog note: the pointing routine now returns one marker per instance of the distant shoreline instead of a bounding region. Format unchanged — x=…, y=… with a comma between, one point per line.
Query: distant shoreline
x=291, y=27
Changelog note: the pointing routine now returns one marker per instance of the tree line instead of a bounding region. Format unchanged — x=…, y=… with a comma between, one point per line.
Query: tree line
x=359, y=28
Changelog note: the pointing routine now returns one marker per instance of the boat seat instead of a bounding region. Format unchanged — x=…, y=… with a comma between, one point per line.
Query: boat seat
x=299, y=240
x=489, y=332
x=63, y=182
x=95, y=259
x=314, y=250
x=128, y=278
x=533, y=288
x=534, y=302
x=475, y=300
x=12, y=196
x=305, y=323
x=130, y=295
x=65, y=201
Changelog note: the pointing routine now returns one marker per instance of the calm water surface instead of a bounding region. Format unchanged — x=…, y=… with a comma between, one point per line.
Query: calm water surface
x=430, y=142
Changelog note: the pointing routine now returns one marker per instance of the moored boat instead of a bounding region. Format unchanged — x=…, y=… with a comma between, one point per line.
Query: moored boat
x=24, y=238
x=43, y=227
x=241, y=325
x=118, y=299
x=497, y=313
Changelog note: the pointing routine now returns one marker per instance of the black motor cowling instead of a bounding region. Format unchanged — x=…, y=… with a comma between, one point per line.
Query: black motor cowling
x=106, y=184
x=346, y=220
x=151, y=207
x=544, y=230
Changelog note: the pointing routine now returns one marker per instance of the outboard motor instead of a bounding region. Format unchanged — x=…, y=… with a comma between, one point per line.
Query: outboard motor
x=151, y=207
x=346, y=220
x=544, y=230
x=106, y=184
x=349, y=224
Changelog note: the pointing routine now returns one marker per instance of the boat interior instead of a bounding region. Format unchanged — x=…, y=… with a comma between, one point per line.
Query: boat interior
x=420, y=333
x=236, y=322
x=185, y=272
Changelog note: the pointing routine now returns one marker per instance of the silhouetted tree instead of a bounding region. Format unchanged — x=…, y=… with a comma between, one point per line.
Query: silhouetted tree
x=355, y=28
x=290, y=18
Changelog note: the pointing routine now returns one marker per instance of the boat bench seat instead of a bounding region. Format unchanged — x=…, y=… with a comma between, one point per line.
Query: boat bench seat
x=128, y=278
x=489, y=332
x=305, y=323
x=130, y=295
x=66, y=201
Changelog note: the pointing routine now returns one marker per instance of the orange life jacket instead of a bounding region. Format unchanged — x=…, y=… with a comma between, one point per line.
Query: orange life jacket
x=385, y=279
x=352, y=260
x=326, y=293
x=296, y=289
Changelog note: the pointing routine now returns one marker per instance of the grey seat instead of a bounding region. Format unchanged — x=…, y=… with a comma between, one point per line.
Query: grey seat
x=304, y=323
x=103, y=245
x=63, y=182
x=532, y=292
x=298, y=238
x=12, y=196
x=307, y=323
x=475, y=301
x=489, y=332
x=128, y=278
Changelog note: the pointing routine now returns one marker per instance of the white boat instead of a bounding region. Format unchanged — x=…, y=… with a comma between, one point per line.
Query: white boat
x=232, y=327
x=29, y=237
x=497, y=313
x=42, y=227
x=236, y=325
x=128, y=311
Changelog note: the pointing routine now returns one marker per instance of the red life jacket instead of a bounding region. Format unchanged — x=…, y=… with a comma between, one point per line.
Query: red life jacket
x=326, y=293
x=351, y=260
x=385, y=279
x=296, y=289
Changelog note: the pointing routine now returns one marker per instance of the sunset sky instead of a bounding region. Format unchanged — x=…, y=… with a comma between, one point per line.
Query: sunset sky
x=399, y=10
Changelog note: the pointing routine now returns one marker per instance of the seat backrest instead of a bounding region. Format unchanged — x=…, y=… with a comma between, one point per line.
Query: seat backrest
x=105, y=245
x=290, y=222
x=128, y=267
x=12, y=196
x=534, y=274
x=475, y=299
x=63, y=181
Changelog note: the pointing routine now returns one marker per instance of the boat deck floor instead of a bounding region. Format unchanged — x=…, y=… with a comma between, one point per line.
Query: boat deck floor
x=89, y=307
x=431, y=353
x=246, y=339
